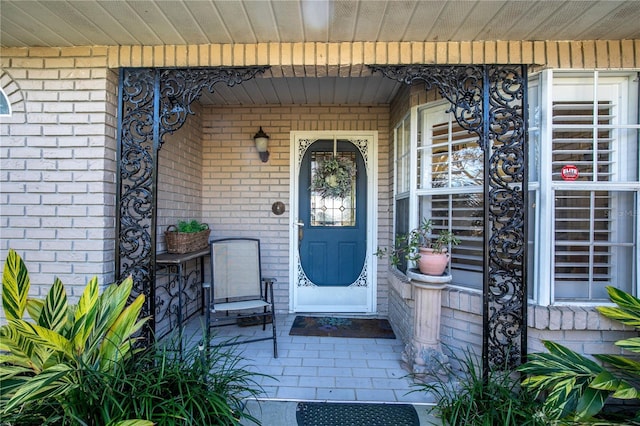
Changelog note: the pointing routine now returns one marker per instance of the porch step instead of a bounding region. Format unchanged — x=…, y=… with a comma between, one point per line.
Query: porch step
x=272, y=412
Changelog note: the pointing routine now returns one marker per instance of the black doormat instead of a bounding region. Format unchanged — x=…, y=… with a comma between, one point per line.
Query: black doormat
x=342, y=327
x=355, y=414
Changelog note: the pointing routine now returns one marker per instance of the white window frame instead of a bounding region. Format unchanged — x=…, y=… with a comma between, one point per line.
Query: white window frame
x=542, y=187
x=545, y=188
x=416, y=190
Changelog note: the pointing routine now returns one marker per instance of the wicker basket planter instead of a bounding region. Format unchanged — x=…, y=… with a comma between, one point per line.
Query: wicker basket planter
x=185, y=242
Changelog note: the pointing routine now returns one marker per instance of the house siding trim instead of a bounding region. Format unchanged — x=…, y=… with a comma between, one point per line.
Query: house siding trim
x=337, y=59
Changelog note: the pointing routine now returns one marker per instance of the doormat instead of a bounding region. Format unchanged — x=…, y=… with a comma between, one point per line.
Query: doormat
x=355, y=414
x=371, y=328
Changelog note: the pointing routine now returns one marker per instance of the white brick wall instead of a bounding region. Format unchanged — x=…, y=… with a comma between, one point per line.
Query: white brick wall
x=58, y=165
x=180, y=176
x=57, y=155
x=238, y=189
x=581, y=329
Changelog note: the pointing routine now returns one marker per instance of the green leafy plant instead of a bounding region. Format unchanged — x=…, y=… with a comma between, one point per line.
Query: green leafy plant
x=191, y=226
x=197, y=387
x=464, y=397
x=577, y=388
x=76, y=364
x=43, y=361
x=407, y=246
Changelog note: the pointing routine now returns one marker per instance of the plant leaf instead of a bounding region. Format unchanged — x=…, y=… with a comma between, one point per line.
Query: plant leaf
x=34, y=307
x=112, y=300
x=628, y=310
x=15, y=286
x=590, y=403
x=42, y=337
x=623, y=299
x=48, y=384
x=632, y=344
x=23, y=350
x=622, y=363
x=85, y=315
x=54, y=312
x=123, y=328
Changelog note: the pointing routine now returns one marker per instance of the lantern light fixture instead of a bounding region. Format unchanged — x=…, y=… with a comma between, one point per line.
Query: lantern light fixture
x=261, y=140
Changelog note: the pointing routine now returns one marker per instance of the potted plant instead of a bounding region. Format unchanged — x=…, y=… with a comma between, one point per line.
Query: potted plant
x=187, y=236
x=420, y=245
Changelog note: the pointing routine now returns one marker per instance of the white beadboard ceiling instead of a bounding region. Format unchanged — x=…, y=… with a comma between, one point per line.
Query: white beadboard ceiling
x=62, y=23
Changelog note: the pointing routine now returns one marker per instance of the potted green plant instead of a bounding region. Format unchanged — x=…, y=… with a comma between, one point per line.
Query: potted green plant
x=187, y=236
x=430, y=252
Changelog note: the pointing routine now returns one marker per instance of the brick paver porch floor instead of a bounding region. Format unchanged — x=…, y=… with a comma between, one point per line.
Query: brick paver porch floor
x=324, y=368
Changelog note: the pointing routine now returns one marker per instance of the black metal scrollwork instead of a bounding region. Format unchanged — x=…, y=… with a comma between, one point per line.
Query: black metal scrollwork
x=153, y=102
x=490, y=100
x=505, y=325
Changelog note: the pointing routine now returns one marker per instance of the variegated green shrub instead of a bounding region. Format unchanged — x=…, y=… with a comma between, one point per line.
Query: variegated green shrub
x=44, y=355
x=575, y=387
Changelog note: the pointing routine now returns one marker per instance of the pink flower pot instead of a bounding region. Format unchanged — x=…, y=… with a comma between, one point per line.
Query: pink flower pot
x=431, y=263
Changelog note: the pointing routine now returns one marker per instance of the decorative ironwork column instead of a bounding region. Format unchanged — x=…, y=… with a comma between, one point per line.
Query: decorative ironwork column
x=490, y=100
x=152, y=103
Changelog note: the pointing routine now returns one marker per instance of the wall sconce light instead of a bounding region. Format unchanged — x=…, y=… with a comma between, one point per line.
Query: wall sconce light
x=261, y=140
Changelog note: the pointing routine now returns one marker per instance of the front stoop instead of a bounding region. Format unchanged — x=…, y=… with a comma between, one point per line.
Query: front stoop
x=283, y=413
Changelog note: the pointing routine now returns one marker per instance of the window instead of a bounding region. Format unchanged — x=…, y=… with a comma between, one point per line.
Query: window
x=448, y=186
x=402, y=136
x=5, y=105
x=585, y=129
x=584, y=185
x=333, y=209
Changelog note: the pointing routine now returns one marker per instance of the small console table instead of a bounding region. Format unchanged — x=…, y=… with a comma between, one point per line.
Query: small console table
x=172, y=303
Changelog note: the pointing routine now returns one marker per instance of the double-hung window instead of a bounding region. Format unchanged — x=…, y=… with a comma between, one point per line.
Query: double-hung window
x=584, y=185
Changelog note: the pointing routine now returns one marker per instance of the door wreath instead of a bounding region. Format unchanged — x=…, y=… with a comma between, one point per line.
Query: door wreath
x=333, y=178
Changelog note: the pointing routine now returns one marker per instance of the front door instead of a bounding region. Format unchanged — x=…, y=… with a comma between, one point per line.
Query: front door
x=333, y=201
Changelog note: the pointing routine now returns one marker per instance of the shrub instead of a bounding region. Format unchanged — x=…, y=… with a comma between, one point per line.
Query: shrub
x=466, y=398
x=76, y=364
x=577, y=388
x=46, y=359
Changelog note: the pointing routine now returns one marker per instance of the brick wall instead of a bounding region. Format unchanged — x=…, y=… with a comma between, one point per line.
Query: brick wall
x=349, y=59
x=180, y=176
x=58, y=164
x=239, y=189
x=58, y=149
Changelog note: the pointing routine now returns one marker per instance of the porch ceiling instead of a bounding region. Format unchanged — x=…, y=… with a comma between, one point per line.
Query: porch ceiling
x=59, y=23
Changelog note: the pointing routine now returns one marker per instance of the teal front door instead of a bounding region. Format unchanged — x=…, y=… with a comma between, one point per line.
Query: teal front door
x=332, y=229
x=332, y=205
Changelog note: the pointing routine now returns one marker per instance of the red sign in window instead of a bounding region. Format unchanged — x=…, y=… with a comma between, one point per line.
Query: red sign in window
x=569, y=172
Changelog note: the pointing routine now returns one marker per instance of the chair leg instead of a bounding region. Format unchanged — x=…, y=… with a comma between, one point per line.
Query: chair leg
x=264, y=318
x=273, y=325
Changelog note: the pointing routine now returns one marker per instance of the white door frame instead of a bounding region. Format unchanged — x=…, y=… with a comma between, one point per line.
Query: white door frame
x=367, y=142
